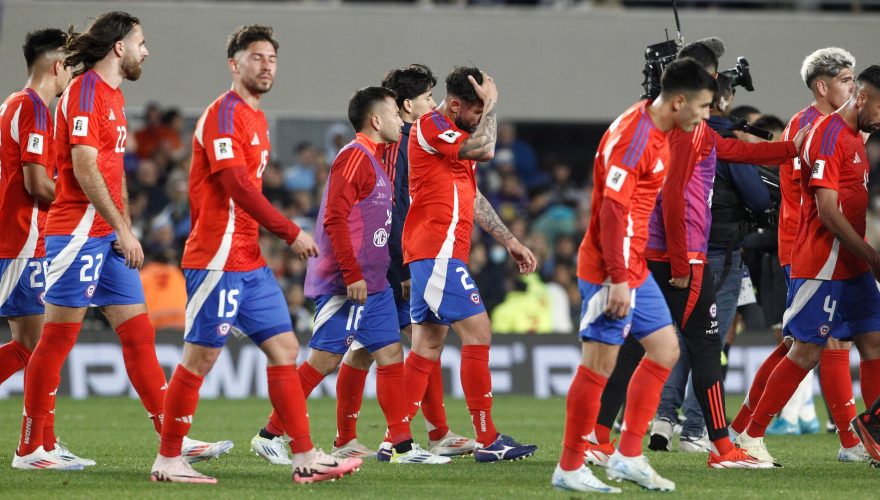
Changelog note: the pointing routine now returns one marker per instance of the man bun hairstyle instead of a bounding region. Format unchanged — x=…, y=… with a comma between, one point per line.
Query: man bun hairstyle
x=458, y=85
x=244, y=36
x=828, y=62
x=362, y=102
x=686, y=75
x=39, y=42
x=409, y=82
x=90, y=46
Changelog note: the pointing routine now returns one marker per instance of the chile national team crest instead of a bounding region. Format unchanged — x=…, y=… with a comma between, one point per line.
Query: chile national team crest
x=824, y=330
x=475, y=298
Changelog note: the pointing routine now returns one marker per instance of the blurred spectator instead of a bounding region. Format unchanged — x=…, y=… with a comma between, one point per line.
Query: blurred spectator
x=165, y=294
x=300, y=315
x=336, y=136
x=149, y=137
x=170, y=134
x=300, y=176
x=511, y=201
x=525, y=309
x=273, y=185
x=521, y=154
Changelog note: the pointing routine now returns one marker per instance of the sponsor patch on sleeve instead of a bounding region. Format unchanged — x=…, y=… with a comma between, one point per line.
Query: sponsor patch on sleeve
x=35, y=144
x=615, y=178
x=80, y=126
x=450, y=136
x=223, y=148
x=818, y=170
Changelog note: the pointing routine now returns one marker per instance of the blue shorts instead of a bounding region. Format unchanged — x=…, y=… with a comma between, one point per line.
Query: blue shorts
x=87, y=271
x=403, y=317
x=648, y=313
x=339, y=322
x=443, y=292
x=251, y=302
x=22, y=284
x=837, y=308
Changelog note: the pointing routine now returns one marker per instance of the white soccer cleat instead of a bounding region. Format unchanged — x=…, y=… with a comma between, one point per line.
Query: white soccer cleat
x=638, y=470
x=736, y=458
x=195, y=451
x=687, y=444
x=599, y=454
x=452, y=445
x=272, y=450
x=62, y=452
x=42, y=459
x=177, y=470
x=418, y=456
x=352, y=449
x=316, y=466
x=857, y=453
x=581, y=479
x=756, y=448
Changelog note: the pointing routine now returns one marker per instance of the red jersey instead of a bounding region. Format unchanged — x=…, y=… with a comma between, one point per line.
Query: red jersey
x=25, y=137
x=629, y=169
x=91, y=113
x=790, y=186
x=230, y=134
x=442, y=188
x=839, y=162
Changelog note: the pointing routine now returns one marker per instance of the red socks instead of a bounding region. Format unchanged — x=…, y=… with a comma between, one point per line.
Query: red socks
x=181, y=400
x=780, y=386
x=602, y=433
x=836, y=381
x=349, y=397
x=581, y=411
x=49, y=438
x=416, y=370
x=289, y=403
x=13, y=357
x=869, y=376
x=389, y=388
x=138, y=339
x=642, y=398
x=432, y=406
x=309, y=378
x=757, y=389
x=476, y=381
x=43, y=376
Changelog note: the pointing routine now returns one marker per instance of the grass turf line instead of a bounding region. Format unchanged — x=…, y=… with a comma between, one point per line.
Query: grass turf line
x=117, y=434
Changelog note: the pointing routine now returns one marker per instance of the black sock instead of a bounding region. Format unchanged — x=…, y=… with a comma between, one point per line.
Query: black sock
x=266, y=434
x=403, y=446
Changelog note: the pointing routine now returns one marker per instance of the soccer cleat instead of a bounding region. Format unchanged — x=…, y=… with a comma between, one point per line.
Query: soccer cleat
x=177, y=470
x=688, y=444
x=417, y=456
x=452, y=445
x=383, y=454
x=42, y=459
x=782, y=427
x=319, y=466
x=638, y=470
x=857, y=453
x=661, y=435
x=756, y=448
x=868, y=432
x=736, y=459
x=352, y=449
x=272, y=450
x=581, y=479
x=598, y=454
x=62, y=452
x=503, y=448
x=195, y=451
x=809, y=426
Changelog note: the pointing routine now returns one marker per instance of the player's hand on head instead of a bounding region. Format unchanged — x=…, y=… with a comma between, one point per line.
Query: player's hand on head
x=129, y=247
x=523, y=257
x=618, y=300
x=798, y=138
x=304, y=246
x=487, y=90
x=357, y=292
x=406, y=287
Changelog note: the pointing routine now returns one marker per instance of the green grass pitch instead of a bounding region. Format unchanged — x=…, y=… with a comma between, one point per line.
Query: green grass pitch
x=116, y=433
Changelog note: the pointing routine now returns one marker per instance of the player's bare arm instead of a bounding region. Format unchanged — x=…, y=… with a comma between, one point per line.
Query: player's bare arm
x=125, y=213
x=304, y=246
x=488, y=219
x=831, y=217
x=480, y=146
x=85, y=169
x=37, y=183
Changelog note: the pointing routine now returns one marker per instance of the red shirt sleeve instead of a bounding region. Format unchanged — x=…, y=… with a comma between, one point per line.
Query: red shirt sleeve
x=86, y=114
x=224, y=140
x=611, y=237
x=351, y=180
x=238, y=187
x=825, y=160
x=762, y=153
x=35, y=135
x=682, y=161
x=436, y=135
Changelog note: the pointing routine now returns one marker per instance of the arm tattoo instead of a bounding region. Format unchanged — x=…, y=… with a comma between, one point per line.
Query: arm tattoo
x=482, y=142
x=488, y=219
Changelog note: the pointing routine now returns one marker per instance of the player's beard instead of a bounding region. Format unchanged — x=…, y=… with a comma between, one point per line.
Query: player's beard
x=464, y=126
x=255, y=86
x=131, y=68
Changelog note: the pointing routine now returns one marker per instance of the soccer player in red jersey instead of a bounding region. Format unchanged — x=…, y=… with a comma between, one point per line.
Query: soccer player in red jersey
x=229, y=286
x=92, y=251
x=828, y=73
x=833, y=290
x=620, y=297
x=27, y=165
x=444, y=148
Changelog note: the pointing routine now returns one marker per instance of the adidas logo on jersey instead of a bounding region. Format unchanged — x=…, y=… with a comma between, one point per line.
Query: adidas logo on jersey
x=255, y=141
x=112, y=116
x=857, y=159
